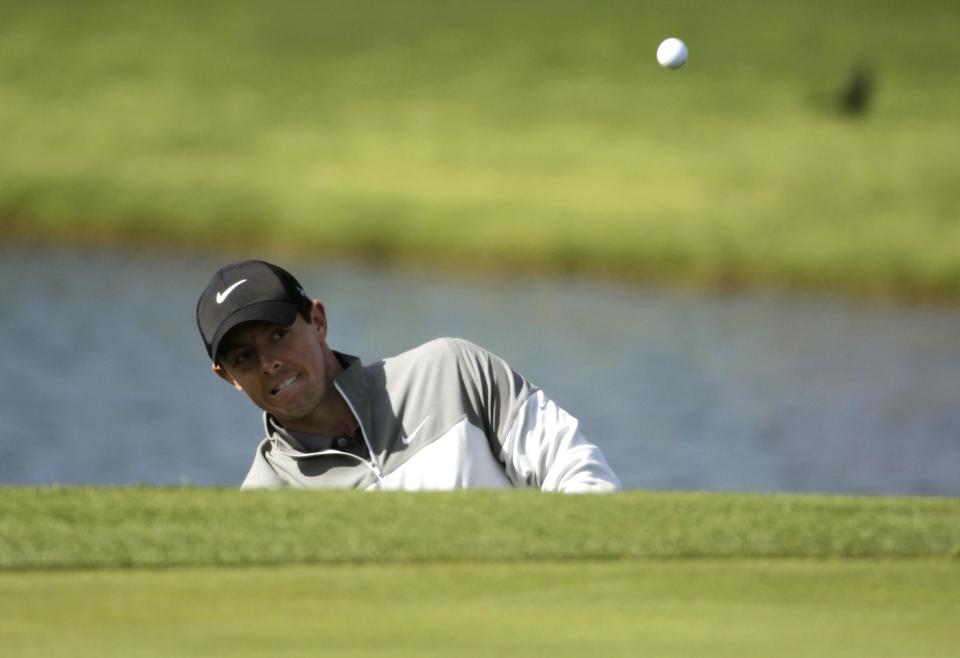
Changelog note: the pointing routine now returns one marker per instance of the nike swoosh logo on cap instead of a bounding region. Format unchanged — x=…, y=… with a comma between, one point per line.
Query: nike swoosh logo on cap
x=222, y=296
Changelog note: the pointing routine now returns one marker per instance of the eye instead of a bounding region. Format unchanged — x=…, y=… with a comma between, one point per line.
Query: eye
x=279, y=334
x=238, y=357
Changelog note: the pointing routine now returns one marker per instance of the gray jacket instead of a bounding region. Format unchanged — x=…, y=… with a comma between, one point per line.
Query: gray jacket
x=445, y=415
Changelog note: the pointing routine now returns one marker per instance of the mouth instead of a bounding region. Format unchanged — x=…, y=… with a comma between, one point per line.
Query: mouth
x=282, y=385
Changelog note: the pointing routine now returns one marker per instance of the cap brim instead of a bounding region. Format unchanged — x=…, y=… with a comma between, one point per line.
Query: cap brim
x=277, y=312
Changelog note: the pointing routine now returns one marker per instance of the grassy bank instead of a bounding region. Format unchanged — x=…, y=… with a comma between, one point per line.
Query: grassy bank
x=538, y=134
x=513, y=573
x=57, y=528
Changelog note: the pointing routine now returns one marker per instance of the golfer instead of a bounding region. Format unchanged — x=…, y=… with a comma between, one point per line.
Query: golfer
x=445, y=415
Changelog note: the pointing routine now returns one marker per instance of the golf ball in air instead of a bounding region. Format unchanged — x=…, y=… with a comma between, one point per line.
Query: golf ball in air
x=672, y=53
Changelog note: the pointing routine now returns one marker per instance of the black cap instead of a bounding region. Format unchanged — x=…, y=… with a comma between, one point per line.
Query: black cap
x=246, y=292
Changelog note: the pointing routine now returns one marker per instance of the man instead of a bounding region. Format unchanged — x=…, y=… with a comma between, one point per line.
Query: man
x=445, y=415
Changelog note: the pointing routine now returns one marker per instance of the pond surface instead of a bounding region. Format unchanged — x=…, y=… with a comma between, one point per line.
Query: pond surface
x=104, y=379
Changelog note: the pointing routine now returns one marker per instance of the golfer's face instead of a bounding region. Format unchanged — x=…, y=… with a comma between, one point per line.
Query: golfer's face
x=282, y=369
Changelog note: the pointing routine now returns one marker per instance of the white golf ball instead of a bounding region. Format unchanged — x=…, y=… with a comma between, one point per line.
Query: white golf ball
x=672, y=53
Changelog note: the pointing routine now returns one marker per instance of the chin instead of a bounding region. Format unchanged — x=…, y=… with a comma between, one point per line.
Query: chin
x=291, y=412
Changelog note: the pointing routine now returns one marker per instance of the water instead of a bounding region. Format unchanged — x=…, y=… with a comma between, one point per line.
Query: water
x=104, y=379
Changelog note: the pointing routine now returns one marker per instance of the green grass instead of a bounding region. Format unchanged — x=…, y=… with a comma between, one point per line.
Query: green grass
x=537, y=134
x=209, y=572
x=788, y=608
x=57, y=528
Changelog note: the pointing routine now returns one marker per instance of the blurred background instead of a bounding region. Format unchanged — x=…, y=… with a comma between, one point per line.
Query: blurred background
x=740, y=275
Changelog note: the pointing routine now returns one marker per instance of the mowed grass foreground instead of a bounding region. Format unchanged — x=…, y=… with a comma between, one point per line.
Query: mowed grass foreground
x=536, y=134
x=200, y=572
x=669, y=609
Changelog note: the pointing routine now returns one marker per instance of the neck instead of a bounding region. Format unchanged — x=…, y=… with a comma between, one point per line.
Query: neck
x=332, y=418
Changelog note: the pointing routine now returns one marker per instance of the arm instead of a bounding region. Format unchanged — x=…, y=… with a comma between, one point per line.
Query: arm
x=544, y=447
x=539, y=443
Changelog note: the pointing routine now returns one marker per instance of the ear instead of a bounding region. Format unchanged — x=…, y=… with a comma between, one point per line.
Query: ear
x=318, y=316
x=218, y=369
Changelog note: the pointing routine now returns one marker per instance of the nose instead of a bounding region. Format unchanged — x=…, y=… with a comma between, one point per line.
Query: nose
x=268, y=362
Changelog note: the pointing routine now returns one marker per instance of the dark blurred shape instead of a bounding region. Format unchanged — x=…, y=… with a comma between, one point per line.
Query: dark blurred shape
x=855, y=96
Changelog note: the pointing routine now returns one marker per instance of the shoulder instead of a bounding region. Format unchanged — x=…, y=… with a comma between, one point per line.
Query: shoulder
x=261, y=474
x=446, y=361
x=438, y=350
x=442, y=362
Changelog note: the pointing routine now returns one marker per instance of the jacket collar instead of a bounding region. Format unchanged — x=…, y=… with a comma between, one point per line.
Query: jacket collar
x=353, y=384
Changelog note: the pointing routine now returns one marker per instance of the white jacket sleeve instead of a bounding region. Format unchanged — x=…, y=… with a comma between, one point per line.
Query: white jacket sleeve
x=543, y=447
